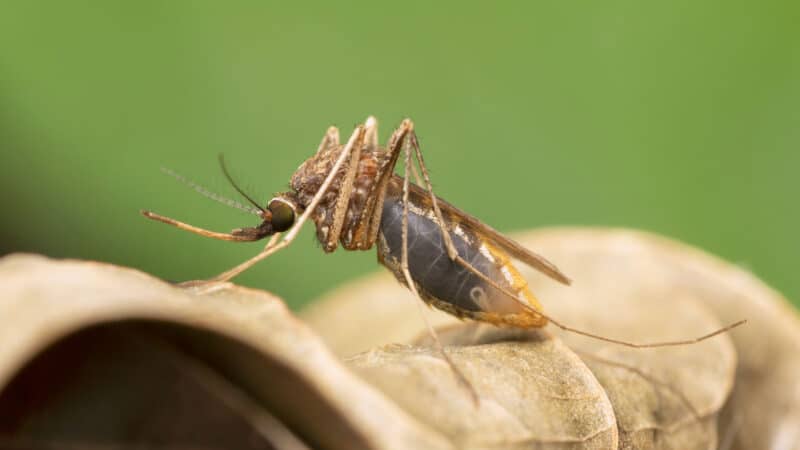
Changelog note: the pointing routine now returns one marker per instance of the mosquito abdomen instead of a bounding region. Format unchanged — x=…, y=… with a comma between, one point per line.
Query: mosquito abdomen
x=446, y=284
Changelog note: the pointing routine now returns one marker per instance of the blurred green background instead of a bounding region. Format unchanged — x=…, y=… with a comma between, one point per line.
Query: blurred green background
x=678, y=117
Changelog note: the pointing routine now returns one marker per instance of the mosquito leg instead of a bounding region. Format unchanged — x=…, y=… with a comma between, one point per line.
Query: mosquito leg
x=358, y=237
x=330, y=140
x=465, y=264
x=366, y=231
x=448, y=241
x=273, y=246
x=394, y=147
x=404, y=267
x=370, y=134
x=415, y=173
x=346, y=186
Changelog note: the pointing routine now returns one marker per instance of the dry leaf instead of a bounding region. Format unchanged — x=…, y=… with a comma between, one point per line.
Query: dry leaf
x=648, y=413
x=764, y=409
x=617, y=294
x=534, y=393
x=638, y=287
x=97, y=356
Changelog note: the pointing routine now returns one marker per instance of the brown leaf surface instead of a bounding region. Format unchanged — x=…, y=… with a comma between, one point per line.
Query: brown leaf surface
x=764, y=408
x=98, y=356
x=638, y=287
x=534, y=393
x=618, y=294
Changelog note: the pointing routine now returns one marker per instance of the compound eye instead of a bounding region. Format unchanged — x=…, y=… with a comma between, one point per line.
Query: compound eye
x=282, y=215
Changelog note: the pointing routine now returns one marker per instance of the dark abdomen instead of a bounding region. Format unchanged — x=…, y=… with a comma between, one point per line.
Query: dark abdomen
x=445, y=283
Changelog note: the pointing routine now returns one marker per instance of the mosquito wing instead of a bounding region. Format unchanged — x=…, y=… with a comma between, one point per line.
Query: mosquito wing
x=457, y=216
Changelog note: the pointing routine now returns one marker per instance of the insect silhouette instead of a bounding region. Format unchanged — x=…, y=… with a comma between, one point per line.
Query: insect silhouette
x=446, y=257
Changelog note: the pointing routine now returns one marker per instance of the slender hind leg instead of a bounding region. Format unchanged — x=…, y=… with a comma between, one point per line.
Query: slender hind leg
x=273, y=245
x=410, y=282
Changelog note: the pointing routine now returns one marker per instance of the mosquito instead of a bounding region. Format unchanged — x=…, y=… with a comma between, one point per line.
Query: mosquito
x=446, y=257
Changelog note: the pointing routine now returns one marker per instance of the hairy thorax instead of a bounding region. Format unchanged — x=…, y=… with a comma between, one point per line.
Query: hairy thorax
x=308, y=179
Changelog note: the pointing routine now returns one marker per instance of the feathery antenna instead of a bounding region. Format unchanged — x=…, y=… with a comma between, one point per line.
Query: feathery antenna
x=213, y=196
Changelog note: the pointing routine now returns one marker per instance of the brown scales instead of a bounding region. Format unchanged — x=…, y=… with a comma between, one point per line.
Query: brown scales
x=306, y=181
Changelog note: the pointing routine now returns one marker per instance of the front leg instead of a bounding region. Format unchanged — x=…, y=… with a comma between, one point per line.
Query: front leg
x=346, y=186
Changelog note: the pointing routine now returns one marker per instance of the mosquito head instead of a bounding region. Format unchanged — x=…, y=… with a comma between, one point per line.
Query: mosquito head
x=279, y=215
